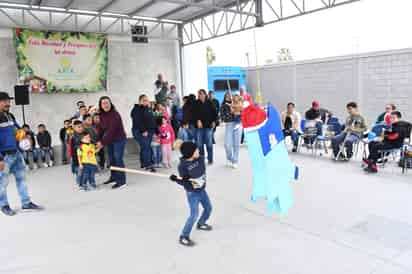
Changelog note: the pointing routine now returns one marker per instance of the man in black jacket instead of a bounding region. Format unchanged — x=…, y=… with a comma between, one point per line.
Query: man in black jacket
x=217, y=108
x=205, y=116
x=144, y=126
x=45, y=144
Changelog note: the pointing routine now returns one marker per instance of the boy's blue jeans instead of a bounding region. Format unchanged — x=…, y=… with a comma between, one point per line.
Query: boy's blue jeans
x=76, y=172
x=194, y=199
x=14, y=164
x=88, y=176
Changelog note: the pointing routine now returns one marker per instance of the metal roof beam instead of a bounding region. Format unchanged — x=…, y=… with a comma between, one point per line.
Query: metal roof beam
x=226, y=5
x=107, y=5
x=208, y=7
x=173, y=11
x=176, y=10
x=69, y=4
x=142, y=7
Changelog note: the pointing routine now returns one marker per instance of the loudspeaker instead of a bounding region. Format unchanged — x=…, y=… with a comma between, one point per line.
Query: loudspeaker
x=139, y=30
x=139, y=34
x=139, y=39
x=21, y=95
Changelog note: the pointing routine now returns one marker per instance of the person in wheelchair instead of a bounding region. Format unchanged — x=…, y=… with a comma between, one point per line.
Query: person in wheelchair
x=392, y=139
x=291, y=124
x=355, y=128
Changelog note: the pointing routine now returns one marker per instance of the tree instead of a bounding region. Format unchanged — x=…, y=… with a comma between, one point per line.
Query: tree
x=284, y=55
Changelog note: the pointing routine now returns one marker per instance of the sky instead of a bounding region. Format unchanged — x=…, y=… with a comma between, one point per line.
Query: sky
x=365, y=26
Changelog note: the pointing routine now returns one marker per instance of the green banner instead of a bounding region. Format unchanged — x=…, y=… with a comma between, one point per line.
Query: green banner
x=61, y=62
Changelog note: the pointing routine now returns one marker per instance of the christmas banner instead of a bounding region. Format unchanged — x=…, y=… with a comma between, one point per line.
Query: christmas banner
x=61, y=62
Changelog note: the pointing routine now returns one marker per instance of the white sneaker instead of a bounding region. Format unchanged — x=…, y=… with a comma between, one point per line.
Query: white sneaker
x=51, y=164
x=36, y=166
x=229, y=164
x=234, y=166
x=27, y=168
x=45, y=165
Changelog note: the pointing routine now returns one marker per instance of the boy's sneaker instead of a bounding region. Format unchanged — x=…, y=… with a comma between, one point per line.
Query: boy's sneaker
x=186, y=241
x=117, y=185
x=8, y=211
x=32, y=206
x=109, y=181
x=151, y=169
x=204, y=227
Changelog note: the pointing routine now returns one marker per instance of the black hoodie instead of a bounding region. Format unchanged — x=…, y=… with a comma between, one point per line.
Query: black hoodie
x=205, y=112
x=143, y=119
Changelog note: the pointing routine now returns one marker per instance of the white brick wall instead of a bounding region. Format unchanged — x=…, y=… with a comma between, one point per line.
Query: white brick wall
x=372, y=80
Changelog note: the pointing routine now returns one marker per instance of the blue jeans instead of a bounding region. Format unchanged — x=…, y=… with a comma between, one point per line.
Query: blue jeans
x=157, y=154
x=44, y=151
x=14, y=164
x=187, y=134
x=293, y=133
x=88, y=176
x=145, y=148
x=339, y=139
x=204, y=137
x=116, y=152
x=76, y=172
x=194, y=199
x=64, y=152
x=26, y=155
x=233, y=133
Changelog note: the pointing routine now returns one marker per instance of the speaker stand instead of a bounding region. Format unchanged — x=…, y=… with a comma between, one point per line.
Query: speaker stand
x=24, y=115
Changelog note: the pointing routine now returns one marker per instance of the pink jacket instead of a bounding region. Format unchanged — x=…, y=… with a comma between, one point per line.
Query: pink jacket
x=166, y=134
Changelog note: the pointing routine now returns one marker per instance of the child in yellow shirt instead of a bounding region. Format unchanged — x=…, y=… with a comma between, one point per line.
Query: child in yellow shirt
x=86, y=154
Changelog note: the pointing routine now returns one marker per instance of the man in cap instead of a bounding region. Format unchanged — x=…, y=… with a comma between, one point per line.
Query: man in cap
x=11, y=160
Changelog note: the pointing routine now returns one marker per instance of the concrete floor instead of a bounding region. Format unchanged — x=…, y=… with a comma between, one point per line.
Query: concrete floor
x=342, y=222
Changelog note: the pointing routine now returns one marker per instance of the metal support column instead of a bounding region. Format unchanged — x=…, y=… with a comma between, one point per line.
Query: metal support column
x=259, y=13
x=180, y=41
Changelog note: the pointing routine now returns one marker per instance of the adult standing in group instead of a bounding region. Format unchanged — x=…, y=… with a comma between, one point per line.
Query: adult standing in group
x=188, y=133
x=144, y=126
x=233, y=133
x=113, y=136
x=11, y=160
x=217, y=108
x=204, y=113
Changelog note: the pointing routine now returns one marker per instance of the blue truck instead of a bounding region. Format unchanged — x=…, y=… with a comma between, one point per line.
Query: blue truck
x=220, y=77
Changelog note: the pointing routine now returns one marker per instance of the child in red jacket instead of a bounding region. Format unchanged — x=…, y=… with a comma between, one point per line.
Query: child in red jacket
x=167, y=138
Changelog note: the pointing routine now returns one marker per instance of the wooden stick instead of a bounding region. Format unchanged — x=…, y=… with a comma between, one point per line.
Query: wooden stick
x=135, y=171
